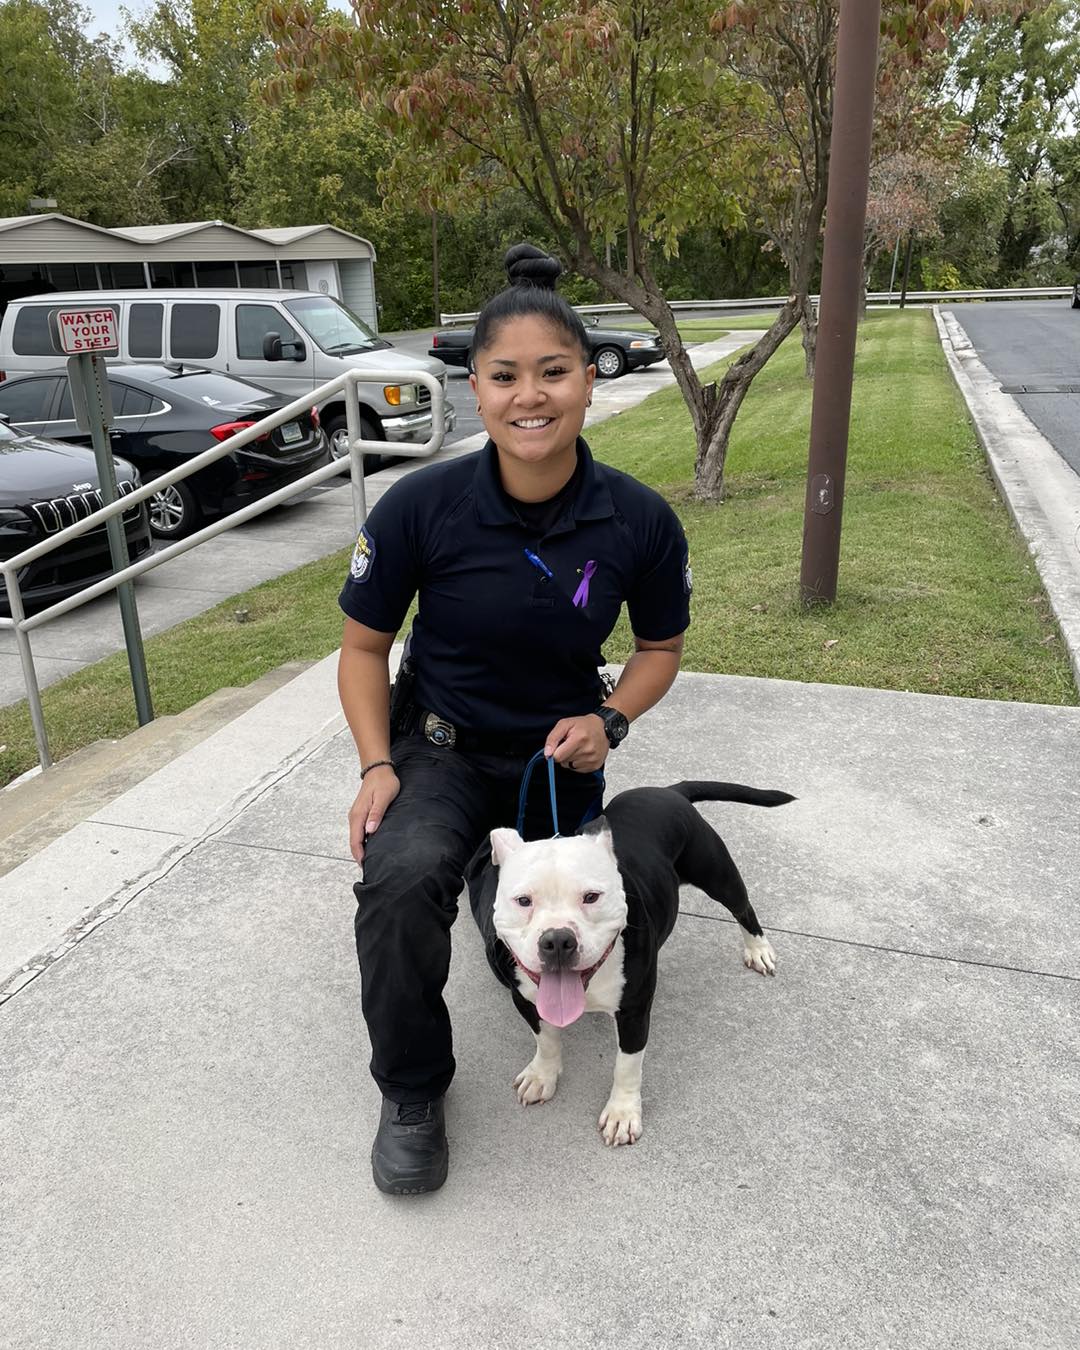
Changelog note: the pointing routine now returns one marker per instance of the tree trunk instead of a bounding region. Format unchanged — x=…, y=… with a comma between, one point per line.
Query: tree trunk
x=722, y=403
x=652, y=305
x=907, y=267
x=809, y=338
x=712, y=408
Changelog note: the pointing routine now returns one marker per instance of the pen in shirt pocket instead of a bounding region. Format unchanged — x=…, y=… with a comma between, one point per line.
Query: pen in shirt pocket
x=539, y=564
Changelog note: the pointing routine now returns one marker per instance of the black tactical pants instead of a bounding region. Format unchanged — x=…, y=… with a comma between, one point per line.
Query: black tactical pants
x=413, y=869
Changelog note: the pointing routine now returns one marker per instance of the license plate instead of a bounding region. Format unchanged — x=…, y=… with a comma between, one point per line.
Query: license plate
x=291, y=432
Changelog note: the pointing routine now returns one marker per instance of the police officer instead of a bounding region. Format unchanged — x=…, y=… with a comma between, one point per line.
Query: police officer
x=521, y=556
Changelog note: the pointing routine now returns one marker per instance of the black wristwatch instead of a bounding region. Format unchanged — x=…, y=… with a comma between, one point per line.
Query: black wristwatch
x=615, y=725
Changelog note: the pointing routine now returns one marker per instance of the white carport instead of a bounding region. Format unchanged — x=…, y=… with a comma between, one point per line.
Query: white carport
x=55, y=252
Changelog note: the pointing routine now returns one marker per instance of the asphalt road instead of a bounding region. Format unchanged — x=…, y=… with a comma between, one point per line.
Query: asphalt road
x=1033, y=345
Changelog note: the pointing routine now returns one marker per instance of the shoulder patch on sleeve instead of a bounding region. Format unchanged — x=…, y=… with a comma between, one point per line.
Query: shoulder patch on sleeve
x=363, y=558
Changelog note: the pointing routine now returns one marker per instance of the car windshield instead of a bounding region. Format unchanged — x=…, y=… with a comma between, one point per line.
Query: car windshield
x=331, y=326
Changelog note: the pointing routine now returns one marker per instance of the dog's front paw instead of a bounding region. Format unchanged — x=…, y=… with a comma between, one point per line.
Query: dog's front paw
x=537, y=1082
x=620, y=1120
x=758, y=954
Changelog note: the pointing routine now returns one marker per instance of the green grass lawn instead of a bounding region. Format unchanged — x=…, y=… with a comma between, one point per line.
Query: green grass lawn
x=936, y=594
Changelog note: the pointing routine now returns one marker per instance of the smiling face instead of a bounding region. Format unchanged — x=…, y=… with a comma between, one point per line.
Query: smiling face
x=533, y=386
x=559, y=907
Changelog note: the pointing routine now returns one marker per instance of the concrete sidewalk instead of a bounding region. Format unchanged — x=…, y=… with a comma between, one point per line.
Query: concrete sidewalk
x=878, y=1148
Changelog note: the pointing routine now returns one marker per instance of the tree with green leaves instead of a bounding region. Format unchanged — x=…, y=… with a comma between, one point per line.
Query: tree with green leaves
x=1016, y=80
x=36, y=102
x=618, y=119
x=215, y=54
x=611, y=119
x=66, y=104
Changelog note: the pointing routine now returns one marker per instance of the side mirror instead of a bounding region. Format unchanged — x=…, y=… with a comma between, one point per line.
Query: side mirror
x=274, y=349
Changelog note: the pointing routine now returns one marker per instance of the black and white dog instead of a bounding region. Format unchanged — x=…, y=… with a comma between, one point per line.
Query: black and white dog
x=575, y=924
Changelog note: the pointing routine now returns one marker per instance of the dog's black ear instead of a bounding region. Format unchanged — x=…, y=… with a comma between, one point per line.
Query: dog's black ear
x=599, y=827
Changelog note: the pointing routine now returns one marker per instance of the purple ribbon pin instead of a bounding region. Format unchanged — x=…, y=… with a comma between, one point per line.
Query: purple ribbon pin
x=581, y=595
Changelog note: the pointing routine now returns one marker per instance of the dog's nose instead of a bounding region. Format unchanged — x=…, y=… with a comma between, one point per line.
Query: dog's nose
x=558, y=947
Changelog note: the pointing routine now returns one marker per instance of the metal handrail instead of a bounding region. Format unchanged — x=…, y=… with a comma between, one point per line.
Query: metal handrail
x=10, y=567
x=775, y=301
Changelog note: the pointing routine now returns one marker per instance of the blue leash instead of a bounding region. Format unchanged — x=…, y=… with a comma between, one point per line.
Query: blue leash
x=591, y=814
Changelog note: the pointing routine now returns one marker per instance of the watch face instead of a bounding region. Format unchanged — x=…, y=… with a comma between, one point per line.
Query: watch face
x=616, y=726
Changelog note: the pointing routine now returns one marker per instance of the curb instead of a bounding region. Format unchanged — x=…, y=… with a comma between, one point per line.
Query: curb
x=1040, y=490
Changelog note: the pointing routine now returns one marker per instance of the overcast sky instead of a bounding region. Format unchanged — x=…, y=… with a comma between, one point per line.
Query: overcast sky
x=106, y=17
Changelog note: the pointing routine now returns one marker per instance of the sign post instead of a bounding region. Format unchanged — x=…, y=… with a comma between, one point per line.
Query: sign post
x=86, y=337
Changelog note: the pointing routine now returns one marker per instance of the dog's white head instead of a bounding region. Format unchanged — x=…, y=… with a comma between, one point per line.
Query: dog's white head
x=559, y=907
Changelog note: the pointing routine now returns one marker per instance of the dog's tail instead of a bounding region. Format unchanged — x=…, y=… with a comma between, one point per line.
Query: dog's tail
x=704, y=791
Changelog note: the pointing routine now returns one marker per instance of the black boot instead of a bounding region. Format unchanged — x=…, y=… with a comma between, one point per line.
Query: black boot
x=409, y=1155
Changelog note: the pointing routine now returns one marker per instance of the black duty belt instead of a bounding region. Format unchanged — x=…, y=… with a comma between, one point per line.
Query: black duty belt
x=440, y=732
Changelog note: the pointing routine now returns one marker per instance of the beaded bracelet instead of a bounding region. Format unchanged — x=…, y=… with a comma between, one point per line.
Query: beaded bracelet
x=375, y=763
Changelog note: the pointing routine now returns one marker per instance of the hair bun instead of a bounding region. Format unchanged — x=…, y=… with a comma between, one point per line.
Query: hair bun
x=527, y=265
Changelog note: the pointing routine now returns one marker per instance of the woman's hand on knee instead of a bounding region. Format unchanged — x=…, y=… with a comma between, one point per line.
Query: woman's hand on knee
x=376, y=793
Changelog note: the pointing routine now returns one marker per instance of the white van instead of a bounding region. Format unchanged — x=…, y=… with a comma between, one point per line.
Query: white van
x=288, y=341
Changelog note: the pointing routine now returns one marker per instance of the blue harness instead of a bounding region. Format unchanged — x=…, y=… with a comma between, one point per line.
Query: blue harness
x=591, y=812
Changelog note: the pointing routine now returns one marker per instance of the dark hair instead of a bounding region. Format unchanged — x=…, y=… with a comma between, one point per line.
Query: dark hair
x=532, y=293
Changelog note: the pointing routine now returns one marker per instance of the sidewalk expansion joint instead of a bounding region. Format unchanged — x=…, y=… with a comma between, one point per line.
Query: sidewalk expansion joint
x=276, y=848
x=894, y=951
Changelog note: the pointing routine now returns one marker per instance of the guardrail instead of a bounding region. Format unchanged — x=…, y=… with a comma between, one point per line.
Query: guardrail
x=775, y=301
x=354, y=462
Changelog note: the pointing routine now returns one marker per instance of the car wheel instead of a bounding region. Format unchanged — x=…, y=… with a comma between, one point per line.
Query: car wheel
x=337, y=433
x=1075, y=300
x=174, y=512
x=609, y=362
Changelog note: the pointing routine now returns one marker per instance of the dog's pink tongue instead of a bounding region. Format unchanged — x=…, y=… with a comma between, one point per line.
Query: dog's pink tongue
x=560, y=998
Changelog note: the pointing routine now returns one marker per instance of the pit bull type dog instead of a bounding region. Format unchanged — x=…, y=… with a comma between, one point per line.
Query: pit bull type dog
x=575, y=924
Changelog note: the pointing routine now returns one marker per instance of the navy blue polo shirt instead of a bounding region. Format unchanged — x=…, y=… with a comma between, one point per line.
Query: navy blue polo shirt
x=503, y=642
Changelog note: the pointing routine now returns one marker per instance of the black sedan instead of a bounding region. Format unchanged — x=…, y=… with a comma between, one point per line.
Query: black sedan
x=44, y=487
x=614, y=350
x=165, y=415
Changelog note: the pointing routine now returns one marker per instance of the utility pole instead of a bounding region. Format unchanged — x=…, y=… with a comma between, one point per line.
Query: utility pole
x=435, y=265
x=841, y=284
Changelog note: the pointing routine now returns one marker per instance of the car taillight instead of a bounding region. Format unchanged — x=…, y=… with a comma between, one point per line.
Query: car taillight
x=3, y=374
x=227, y=429
x=434, y=339
x=315, y=418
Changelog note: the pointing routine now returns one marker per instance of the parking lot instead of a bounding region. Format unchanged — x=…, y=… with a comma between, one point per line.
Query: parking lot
x=316, y=524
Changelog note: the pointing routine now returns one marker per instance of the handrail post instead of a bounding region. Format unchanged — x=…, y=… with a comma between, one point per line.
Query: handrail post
x=356, y=457
x=26, y=657
x=90, y=391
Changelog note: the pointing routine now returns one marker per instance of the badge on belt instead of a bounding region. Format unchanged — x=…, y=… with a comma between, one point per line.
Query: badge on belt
x=439, y=732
